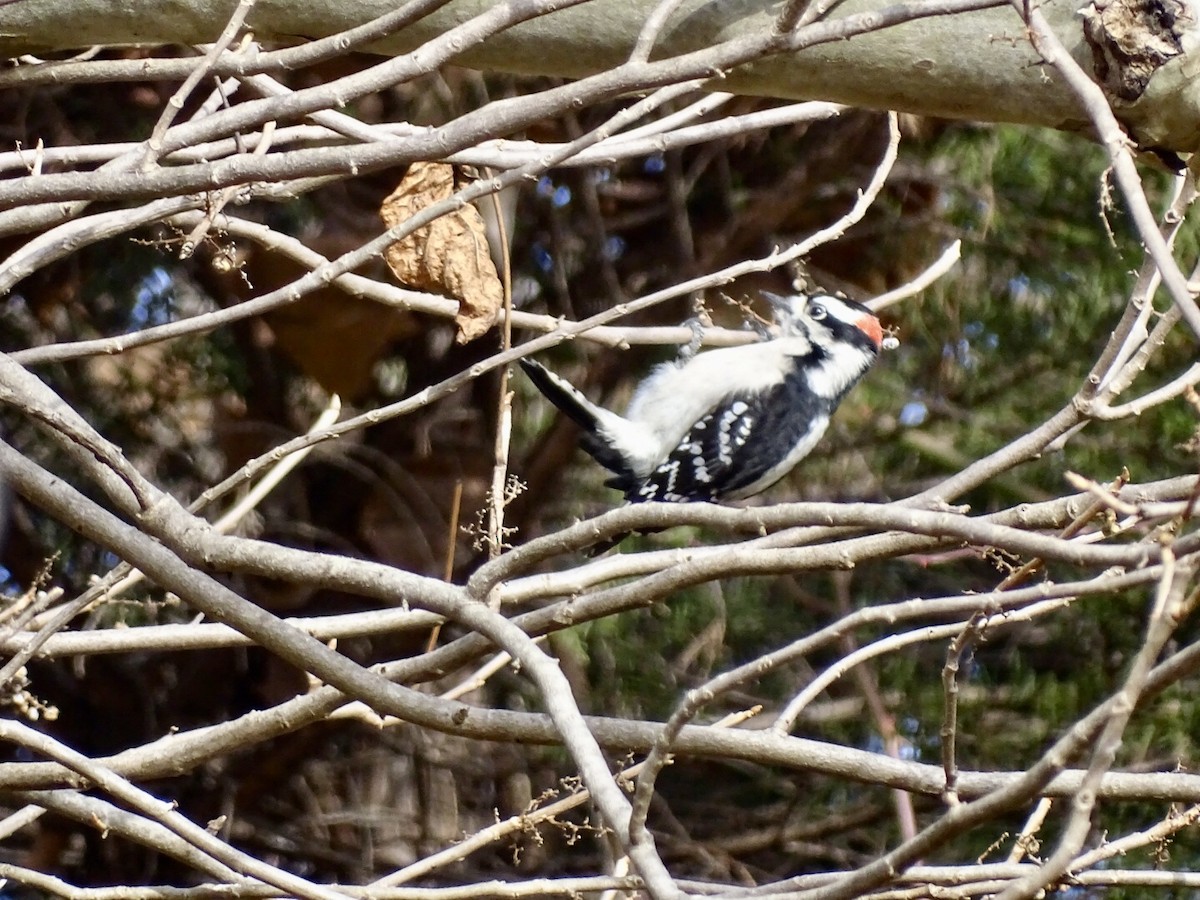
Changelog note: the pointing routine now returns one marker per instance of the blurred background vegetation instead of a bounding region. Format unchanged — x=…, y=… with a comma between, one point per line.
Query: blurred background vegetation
x=986, y=354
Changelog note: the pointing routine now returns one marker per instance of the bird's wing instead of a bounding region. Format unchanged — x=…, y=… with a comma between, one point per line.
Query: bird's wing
x=745, y=444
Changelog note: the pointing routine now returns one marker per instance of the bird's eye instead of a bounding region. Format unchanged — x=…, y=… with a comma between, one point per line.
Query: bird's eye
x=817, y=311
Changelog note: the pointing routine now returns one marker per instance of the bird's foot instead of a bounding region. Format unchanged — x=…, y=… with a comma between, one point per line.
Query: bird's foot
x=696, y=325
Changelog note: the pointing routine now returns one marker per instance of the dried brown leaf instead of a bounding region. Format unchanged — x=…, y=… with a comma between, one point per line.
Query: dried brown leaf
x=450, y=255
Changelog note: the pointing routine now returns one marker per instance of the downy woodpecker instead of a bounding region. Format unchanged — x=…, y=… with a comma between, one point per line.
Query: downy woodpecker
x=728, y=423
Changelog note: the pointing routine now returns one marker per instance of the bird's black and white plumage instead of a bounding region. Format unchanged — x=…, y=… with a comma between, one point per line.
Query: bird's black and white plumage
x=728, y=423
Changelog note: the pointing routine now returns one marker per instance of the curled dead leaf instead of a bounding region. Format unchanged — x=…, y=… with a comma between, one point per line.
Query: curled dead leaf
x=450, y=255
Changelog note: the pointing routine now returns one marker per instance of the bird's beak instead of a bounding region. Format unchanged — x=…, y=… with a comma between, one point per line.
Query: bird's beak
x=869, y=325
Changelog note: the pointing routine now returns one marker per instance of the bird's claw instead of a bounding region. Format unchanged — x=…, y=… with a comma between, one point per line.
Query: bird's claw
x=760, y=327
x=696, y=325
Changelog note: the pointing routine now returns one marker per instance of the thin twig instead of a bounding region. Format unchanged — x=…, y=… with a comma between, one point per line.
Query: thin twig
x=1119, y=148
x=499, y=496
x=175, y=103
x=962, y=642
x=1171, y=603
x=652, y=28
x=1026, y=842
x=162, y=812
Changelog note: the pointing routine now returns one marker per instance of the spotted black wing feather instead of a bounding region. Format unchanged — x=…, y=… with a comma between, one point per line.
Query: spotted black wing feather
x=740, y=442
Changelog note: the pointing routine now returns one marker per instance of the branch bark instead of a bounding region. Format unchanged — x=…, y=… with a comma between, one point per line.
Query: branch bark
x=974, y=65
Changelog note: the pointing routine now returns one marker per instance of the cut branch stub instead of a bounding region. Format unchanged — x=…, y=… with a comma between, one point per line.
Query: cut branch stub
x=1131, y=40
x=450, y=255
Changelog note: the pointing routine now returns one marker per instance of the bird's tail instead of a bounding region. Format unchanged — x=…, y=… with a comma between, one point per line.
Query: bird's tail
x=598, y=424
x=563, y=394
